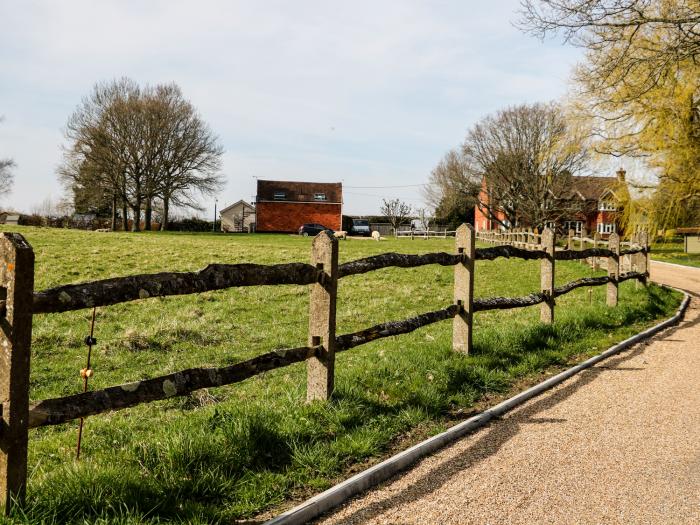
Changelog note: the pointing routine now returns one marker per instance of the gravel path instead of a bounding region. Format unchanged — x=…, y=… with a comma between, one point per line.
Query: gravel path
x=618, y=443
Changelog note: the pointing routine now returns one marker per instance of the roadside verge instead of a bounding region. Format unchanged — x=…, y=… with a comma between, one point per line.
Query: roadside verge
x=340, y=493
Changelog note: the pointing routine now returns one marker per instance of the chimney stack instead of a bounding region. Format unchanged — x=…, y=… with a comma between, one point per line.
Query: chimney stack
x=621, y=174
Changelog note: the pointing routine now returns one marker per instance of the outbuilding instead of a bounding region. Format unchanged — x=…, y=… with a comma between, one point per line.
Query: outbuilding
x=691, y=239
x=238, y=217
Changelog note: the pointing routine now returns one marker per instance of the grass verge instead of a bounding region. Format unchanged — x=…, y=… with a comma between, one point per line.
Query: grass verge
x=673, y=253
x=235, y=452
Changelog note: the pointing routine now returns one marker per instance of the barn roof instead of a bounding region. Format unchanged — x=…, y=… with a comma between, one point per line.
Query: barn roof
x=300, y=191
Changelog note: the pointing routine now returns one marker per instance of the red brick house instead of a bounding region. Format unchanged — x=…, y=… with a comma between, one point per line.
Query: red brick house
x=599, y=206
x=283, y=206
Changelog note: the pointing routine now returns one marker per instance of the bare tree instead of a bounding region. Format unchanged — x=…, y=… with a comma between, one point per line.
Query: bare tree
x=189, y=155
x=137, y=145
x=6, y=176
x=396, y=211
x=425, y=216
x=452, y=189
x=524, y=157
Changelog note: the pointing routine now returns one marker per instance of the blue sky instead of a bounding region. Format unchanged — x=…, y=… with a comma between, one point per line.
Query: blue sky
x=371, y=94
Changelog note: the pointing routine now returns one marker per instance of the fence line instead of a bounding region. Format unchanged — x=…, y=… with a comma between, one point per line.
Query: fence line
x=426, y=234
x=323, y=273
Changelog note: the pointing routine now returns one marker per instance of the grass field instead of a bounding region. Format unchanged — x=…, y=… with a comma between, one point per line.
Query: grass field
x=234, y=452
x=672, y=252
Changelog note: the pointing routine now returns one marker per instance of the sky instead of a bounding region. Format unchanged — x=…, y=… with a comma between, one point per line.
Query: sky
x=368, y=93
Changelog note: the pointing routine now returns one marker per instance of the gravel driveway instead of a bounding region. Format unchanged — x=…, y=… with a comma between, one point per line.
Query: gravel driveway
x=618, y=443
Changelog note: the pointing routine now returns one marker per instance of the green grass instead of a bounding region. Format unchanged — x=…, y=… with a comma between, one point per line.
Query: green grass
x=672, y=252
x=234, y=452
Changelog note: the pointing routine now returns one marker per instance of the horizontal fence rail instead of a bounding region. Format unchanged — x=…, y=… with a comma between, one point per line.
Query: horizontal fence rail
x=322, y=275
x=108, y=292
x=59, y=410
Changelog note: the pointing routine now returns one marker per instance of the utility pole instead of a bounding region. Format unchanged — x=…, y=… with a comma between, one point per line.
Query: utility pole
x=213, y=226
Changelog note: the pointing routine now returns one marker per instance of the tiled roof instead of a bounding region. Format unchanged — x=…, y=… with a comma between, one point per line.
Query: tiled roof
x=299, y=191
x=592, y=188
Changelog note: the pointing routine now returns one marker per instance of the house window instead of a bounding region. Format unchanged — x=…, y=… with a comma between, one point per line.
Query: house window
x=606, y=227
x=320, y=197
x=607, y=206
x=280, y=196
x=577, y=226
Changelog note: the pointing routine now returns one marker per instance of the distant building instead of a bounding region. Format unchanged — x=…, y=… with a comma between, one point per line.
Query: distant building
x=283, y=206
x=691, y=239
x=238, y=217
x=8, y=217
x=599, y=205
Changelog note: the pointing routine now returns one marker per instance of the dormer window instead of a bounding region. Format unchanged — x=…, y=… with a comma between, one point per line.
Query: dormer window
x=320, y=197
x=607, y=206
x=280, y=196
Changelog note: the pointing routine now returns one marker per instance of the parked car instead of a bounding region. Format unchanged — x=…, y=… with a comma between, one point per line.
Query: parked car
x=313, y=229
x=360, y=227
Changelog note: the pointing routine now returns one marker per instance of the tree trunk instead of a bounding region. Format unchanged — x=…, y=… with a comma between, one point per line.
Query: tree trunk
x=113, y=225
x=148, y=214
x=136, y=210
x=164, y=222
x=125, y=217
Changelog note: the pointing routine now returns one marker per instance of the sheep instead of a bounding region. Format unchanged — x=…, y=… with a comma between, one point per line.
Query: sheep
x=376, y=236
x=103, y=230
x=341, y=235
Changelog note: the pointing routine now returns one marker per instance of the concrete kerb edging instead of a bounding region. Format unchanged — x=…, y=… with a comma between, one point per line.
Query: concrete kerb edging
x=685, y=267
x=321, y=503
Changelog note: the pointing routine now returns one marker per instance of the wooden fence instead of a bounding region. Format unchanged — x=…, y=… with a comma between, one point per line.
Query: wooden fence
x=426, y=234
x=19, y=302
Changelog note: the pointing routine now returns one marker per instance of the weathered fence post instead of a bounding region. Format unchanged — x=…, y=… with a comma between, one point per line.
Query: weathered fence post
x=17, y=285
x=320, y=370
x=613, y=268
x=570, y=241
x=582, y=243
x=596, y=244
x=464, y=290
x=634, y=259
x=643, y=264
x=547, y=276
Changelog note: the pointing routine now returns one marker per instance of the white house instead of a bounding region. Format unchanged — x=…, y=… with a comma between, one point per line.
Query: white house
x=238, y=217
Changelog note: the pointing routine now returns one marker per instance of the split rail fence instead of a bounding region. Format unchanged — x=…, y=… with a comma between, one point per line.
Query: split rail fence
x=19, y=303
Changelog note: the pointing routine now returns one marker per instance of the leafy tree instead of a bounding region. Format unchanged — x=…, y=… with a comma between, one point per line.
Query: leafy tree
x=638, y=90
x=644, y=39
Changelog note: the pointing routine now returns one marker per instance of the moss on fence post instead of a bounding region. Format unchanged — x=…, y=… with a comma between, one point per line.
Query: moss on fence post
x=613, y=269
x=547, y=275
x=17, y=282
x=464, y=290
x=320, y=370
